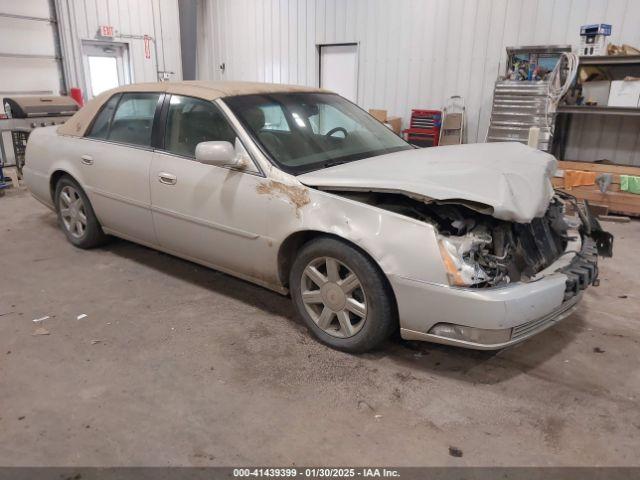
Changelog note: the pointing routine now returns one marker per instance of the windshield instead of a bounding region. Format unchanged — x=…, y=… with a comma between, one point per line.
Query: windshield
x=302, y=132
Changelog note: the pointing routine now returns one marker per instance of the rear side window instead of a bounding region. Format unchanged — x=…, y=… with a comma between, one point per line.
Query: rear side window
x=133, y=120
x=100, y=127
x=191, y=121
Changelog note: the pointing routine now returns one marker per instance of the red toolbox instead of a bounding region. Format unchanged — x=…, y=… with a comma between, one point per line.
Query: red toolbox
x=424, y=128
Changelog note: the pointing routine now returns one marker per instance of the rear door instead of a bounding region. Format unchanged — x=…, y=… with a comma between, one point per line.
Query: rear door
x=115, y=158
x=204, y=212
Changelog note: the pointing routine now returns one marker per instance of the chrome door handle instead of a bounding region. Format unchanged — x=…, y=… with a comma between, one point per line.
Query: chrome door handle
x=86, y=159
x=167, y=178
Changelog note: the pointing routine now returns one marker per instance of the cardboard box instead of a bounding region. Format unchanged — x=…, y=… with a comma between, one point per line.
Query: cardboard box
x=596, y=92
x=395, y=124
x=625, y=93
x=380, y=115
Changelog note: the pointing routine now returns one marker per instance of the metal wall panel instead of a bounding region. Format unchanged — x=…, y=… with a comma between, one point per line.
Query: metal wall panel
x=28, y=63
x=413, y=53
x=132, y=19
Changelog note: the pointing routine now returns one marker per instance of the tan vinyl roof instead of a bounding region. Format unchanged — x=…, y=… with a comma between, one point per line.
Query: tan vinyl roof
x=77, y=125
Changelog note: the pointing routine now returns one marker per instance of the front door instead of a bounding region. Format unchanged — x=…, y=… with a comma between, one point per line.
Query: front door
x=114, y=160
x=207, y=213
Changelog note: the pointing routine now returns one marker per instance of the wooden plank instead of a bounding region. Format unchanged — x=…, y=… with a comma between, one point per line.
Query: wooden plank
x=559, y=183
x=615, y=179
x=599, y=210
x=598, y=167
x=619, y=202
x=613, y=218
x=617, y=197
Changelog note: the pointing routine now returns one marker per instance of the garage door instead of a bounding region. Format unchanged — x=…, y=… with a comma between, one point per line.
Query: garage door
x=28, y=63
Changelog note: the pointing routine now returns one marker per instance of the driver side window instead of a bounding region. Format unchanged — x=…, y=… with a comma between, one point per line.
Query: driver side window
x=191, y=121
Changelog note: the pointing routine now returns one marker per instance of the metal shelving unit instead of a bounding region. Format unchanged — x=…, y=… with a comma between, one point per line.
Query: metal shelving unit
x=610, y=60
x=596, y=110
x=618, y=66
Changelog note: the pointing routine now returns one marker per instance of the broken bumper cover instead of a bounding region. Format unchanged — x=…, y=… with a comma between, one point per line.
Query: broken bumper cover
x=517, y=311
x=491, y=319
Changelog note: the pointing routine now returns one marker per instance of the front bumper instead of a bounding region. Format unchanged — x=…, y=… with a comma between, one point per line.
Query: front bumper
x=518, y=333
x=524, y=308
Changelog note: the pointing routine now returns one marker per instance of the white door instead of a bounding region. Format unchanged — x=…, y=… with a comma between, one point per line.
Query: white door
x=339, y=69
x=106, y=66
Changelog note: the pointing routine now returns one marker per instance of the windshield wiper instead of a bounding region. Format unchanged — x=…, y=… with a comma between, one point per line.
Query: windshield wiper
x=355, y=156
x=333, y=163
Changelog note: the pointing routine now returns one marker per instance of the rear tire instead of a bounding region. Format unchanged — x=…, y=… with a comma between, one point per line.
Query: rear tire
x=342, y=296
x=76, y=216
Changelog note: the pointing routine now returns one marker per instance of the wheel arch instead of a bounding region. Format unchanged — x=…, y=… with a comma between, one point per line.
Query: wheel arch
x=291, y=245
x=55, y=178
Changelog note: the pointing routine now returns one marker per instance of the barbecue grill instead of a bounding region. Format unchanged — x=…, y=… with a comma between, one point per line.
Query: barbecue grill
x=23, y=114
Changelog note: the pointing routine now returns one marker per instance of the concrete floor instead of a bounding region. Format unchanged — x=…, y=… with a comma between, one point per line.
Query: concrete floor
x=176, y=364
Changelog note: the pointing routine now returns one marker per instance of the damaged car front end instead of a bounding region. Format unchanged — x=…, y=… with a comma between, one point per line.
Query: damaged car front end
x=514, y=261
x=472, y=239
x=507, y=281
x=479, y=251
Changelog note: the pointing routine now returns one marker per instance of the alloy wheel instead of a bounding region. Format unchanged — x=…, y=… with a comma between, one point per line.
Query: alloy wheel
x=333, y=297
x=72, y=211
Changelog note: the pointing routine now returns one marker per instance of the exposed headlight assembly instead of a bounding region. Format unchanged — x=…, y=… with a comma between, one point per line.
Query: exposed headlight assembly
x=458, y=256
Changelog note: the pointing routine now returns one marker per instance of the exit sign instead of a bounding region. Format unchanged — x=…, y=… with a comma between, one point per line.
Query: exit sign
x=106, y=31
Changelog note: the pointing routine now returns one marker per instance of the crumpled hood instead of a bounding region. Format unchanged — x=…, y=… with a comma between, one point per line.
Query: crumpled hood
x=512, y=179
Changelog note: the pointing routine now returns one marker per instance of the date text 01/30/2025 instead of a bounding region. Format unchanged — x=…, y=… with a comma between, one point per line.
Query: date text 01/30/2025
x=316, y=472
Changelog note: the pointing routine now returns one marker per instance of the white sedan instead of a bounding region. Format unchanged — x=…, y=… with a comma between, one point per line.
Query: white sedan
x=300, y=191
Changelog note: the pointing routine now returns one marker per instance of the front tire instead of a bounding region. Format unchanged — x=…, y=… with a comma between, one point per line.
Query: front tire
x=342, y=296
x=76, y=216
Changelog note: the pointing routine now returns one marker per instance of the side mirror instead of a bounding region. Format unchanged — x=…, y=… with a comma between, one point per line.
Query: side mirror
x=222, y=154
